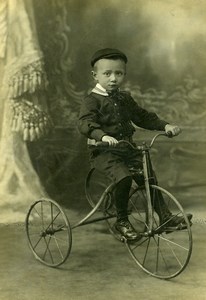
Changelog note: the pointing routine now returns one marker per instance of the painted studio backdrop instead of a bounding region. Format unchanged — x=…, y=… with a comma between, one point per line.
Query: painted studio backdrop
x=45, y=50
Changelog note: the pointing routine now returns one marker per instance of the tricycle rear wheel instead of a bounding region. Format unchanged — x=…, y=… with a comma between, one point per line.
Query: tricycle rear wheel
x=48, y=232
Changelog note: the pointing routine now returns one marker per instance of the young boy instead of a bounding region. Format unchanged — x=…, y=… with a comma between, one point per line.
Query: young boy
x=107, y=115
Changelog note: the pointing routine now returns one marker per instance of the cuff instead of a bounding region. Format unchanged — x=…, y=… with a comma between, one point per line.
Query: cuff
x=162, y=125
x=97, y=134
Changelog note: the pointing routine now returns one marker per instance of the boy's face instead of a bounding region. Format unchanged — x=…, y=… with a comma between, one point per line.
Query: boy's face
x=109, y=73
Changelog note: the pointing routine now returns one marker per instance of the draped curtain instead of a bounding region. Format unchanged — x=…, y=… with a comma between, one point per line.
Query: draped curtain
x=24, y=115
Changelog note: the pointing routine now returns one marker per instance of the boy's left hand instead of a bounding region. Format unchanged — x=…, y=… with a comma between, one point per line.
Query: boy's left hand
x=172, y=128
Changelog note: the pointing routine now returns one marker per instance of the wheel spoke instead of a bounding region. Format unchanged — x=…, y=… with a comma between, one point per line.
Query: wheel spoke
x=52, y=221
x=176, y=257
x=157, y=258
x=171, y=218
x=58, y=247
x=34, y=247
x=42, y=215
x=147, y=248
x=37, y=212
x=47, y=249
x=160, y=252
x=59, y=239
x=140, y=243
x=173, y=243
x=137, y=220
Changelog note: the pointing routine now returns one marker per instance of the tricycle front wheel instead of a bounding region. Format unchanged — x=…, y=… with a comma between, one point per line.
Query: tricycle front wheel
x=166, y=250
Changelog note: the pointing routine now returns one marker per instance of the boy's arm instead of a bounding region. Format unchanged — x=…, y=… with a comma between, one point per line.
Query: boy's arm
x=150, y=120
x=145, y=119
x=88, y=119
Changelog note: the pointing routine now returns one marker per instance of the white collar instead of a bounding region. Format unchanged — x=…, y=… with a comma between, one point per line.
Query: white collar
x=98, y=89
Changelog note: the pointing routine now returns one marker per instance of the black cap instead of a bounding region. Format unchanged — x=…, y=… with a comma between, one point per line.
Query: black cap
x=107, y=53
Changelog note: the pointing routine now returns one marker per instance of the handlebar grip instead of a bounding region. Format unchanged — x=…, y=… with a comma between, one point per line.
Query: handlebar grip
x=104, y=144
x=118, y=145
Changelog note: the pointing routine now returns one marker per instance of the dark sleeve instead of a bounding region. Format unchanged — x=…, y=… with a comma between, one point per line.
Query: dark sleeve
x=88, y=124
x=144, y=119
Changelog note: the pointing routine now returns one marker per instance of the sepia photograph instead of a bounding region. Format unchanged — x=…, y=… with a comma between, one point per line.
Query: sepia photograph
x=102, y=149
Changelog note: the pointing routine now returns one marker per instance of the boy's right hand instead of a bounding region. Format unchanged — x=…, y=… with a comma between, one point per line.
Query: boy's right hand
x=110, y=140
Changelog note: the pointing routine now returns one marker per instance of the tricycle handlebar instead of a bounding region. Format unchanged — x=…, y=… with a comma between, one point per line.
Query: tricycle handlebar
x=106, y=144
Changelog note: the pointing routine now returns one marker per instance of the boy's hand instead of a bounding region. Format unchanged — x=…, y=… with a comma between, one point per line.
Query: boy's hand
x=172, y=128
x=110, y=140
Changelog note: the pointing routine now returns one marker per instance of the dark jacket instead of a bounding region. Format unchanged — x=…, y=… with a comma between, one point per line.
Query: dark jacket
x=114, y=115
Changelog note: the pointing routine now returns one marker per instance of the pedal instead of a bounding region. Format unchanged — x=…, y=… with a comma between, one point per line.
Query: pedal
x=180, y=226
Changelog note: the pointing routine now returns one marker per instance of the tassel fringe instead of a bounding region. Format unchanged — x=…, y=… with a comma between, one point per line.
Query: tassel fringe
x=28, y=119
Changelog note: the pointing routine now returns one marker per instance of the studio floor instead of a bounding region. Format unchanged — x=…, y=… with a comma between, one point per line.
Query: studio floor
x=99, y=267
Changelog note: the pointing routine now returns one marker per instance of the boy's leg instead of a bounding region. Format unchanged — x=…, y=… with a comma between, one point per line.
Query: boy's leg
x=123, y=225
x=121, y=195
x=113, y=166
x=161, y=208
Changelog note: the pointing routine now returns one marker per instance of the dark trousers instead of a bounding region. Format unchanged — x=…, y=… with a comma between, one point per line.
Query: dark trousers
x=116, y=166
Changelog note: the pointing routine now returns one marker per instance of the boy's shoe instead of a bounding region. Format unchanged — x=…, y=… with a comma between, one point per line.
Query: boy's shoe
x=176, y=221
x=125, y=228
